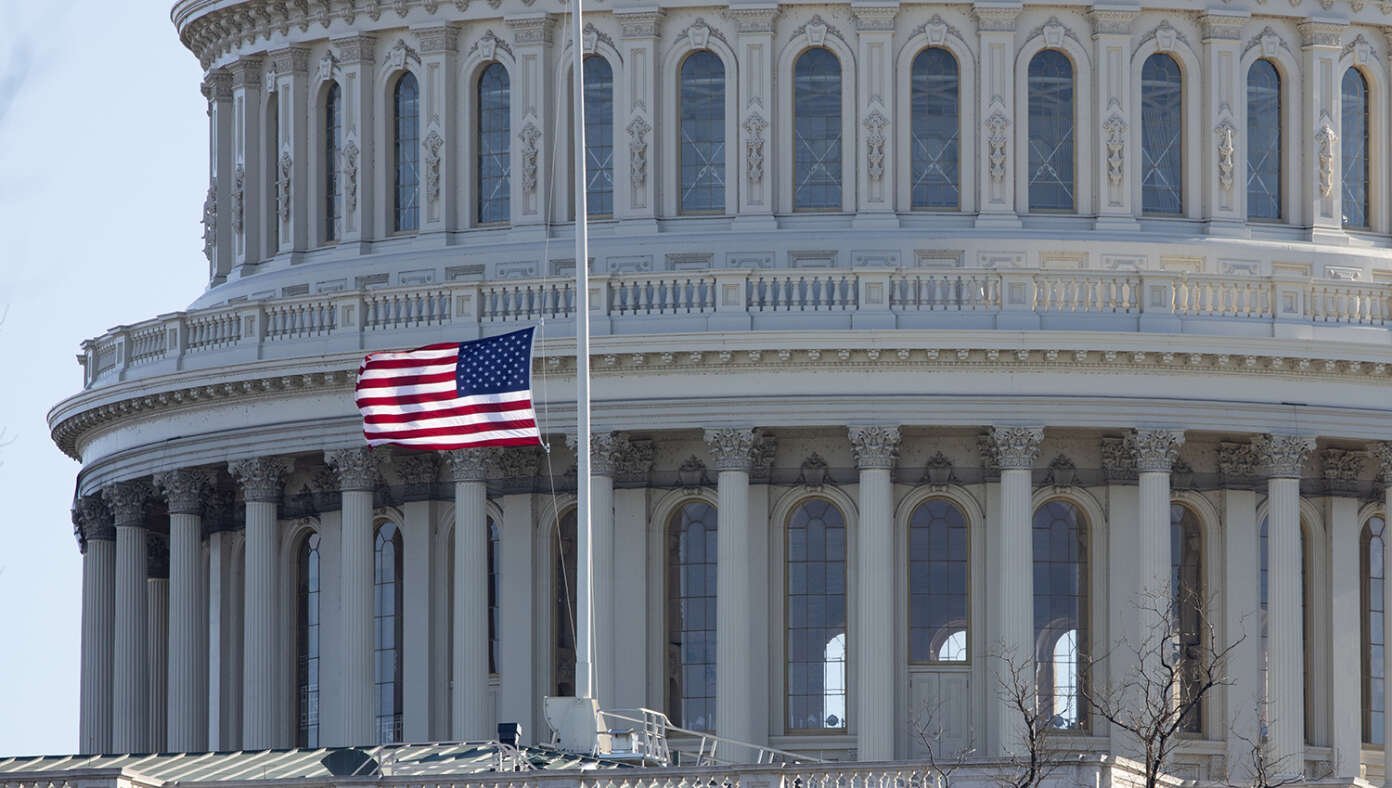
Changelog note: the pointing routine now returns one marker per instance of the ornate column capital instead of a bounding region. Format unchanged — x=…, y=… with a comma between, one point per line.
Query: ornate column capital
x=1283, y=456
x=1341, y=469
x=639, y=23
x=217, y=85
x=92, y=520
x=522, y=462
x=765, y=449
x=1155, y=450
x=219, y=512
x=356, y=468
x=128, y=501
x=471, y=465
x=417, y=471
x=757, y=19
x=356, y=49
x=184, y=489
x=876, y=446
x=1224, y=26
x=437, y=38
x=1118, y=460
x=996, y=17
x=246, y=73
x=1237, y=463
x=634, y=464
x=874, y=16
x=1114, y=20
x=261, y=478
x=1321, y=33
x=1382, y=455
x=530, y=29
x=290, y=60
x=1016, y=447
x=731, y=448
x=605, y=447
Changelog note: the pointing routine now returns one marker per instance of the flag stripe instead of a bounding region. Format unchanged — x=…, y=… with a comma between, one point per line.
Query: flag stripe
x=397, y=417
x=444, y=432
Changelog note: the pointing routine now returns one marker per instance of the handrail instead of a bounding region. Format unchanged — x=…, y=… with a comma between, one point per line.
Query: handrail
x=655, y=741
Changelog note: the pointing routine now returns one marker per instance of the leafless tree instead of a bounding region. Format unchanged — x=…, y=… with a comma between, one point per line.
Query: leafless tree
x=1037, y=755
x=942, y=763
x=1263, y=770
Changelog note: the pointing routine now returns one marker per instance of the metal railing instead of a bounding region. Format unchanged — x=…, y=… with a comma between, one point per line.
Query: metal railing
x=647, y=735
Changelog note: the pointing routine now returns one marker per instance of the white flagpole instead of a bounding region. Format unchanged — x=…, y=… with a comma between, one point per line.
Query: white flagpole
x=584, y=596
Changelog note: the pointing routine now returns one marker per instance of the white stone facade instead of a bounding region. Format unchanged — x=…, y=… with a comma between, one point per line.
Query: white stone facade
x=998, y=358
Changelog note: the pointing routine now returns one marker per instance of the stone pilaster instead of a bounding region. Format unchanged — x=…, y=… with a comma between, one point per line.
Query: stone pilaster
x=731, y=454
x=440, y=194
x=130, y=718
x=98, y=538
x=289, y=75
x=187, y=712
x=217, y=213
x=470, y=469
x=1320, y=130
x=875, y=160
x=357, y=478
x=1117, y=148
x=1223, y=124
x=1155, y=452
x=754, y=50
x=1341, y=676
x=250, y=173
x=357, y=172
x=876, y=449
x=532, y=122
x=996, y=108
x=606, y=450
x=635, y=126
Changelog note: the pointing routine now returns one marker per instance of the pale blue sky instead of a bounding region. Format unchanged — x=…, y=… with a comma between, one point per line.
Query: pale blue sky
x=103, y=167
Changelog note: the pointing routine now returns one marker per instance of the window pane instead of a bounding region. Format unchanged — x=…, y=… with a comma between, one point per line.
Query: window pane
x=691, y=573
x=307, y=644
x=494, y=132
x=1162, y=135
x=332, y=121
x=1354, y=149
x=937, y=583
x=1051, y=131
x=934, y=131
x=1263, y=141
x=816, y=627
x=494, y=541
x=702, y=149
x=1060, y=610
x=387, y=557
x=1374, y=715
x=406, y=152
x=599, y=137
x=563, y=606
x=1186, y=584
x=817, y=131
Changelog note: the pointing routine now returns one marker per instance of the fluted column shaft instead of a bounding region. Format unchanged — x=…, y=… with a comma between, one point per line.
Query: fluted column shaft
x=875, y=449
x=187, y=704
x=261, y=483
x=357, y=478
x=734, y=677
x=98, y=625
x=157, y=623
x=604, y=449
x=130, y=708
x=1155, y=451
x=469, y=697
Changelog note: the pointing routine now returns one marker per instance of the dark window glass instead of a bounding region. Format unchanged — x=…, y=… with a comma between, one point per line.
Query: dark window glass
x=1051, y=133
x=563, y=607
x=935, y=127
x=273, y=182
x=1374, y=716
x=1354, y=148
x=1162, y=136
x=938, y=579
x=691, y=559
x=702, y=150
x=1186, y=584
x=817, y=131
x=332, y=120
x=307, y=643
x=406, y=153
x=494, y=544
x=599, y=137
x=494, y=152
x=1263, y=141
x=1060, y=611
x=816, y=609
x=387, y=614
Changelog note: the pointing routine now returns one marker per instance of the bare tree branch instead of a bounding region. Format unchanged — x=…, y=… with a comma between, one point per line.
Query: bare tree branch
x=1038, y=756
x=930, y=728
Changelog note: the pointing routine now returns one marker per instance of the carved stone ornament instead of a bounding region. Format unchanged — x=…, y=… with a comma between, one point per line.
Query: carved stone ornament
x=185, y=489
x=1382, y=455
x=487, y=45
x=691, y=474
x=433, y=143
x=400, y=54
x=634, y=464
x=997, y=138
x=238, y=198
x=1325, y=138
x=752, y=20
x=875, y=446
x=698, y=34
x=935, y=30
x=1341, y=469
x=875, y=124
x=94, y=519
x=261, y=478
x=638, y=130
x=328, y=67
x=519, y=463
x=128, y=501
x=356, y=468
x=816, y=30
x=1224, y=133
x=765, y=449
x=730, y=448
x=470, y=465
x=1118, y=460
x=814, y=471
x=996, y=18
x=754, y=128
x=604, y=448
x=1155, y=450
x=1283, y=456
x=1115, y=129
x=1053, y=31
x=1016, y=447
x=418, y=471
x=210, y=221
x=350, y=174
x=1237, y=462
x=1165, y=36
x=530, y=136
x=286, y=167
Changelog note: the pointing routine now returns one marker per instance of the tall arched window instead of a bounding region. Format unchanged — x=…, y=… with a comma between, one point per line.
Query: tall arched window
x=387, y=621
x=563, y=606
x=1263, y=141
x=494, y=152
x=934, y=130
x=817, y=131
x=1060, y=610
x=333, y=119
x=816, y=609
x=1354, y=148
x=495, y=539
x=1051, y=132
x=701, y=154
x=938, y=580
x=307, y=642
x=691, y=559
x=599, y=136
x=1373, y=574
x=1187, y=587
x=1162, y=136
x=405, y=154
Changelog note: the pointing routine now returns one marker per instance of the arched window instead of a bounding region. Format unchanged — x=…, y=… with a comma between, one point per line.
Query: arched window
x=563, y=607
x=934, y=129
x=1060, y=610
x=494, y=152
x=599, y=136
x=701, y=154
x=1263, y=141
x=937, y=582
x=816, y=609
x=405, y=154
x=307, y=642
x=273, y=182
x=1187, y=587
x=495, y=539
x=1051, y=132
x=817, y=131
x=691, y=560
x=1373, y=574
x=1162, y=136
x=387, y=620
x=333, y=118
x=1354, y=148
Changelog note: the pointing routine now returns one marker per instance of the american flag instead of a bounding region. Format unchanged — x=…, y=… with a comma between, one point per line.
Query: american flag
x=452, y=395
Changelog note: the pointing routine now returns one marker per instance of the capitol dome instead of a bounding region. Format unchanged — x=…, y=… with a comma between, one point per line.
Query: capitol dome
x=928, y=341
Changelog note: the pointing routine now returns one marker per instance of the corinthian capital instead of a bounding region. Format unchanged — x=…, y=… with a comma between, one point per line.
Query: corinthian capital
x=184, y=489
x=128, y=501
x=1155, y=450
x=875, y=446
x=261, y=478
x=1283, y=456
x=93, y=519
x=356, y=468
x=605, y=448
x=1382, y=455
x=1016, y=447
x=731, y=449
x=470, y=465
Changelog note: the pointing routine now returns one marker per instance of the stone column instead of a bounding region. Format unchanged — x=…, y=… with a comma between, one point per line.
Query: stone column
x=604, y=449
x=1119, y=466
x=469, y=470
x=261, y=479
x=97, y=538
x=876, y=449
x=248, y=169
x=1382, y=454
x=875, y=160
x=157, y=625
x=224, y=625
x=425, y=692
x=1112, y=166
x=1241, y=614
x=217, y=213
x=1223, y=123
x=356, y=54
x=1009, y=638
x=635, y=107
x=130, y=708
x=357, y=479
x=1342, y=676
x=1155, y=452
x=730, y=449
x=995, y=175
x=1321, y=81
x=754, y=50
x=1283, y=457
x=532, y=120
x=187, y=711
x=632, y=470
x=440, y=195
x=518, y=646
x=290, y=73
